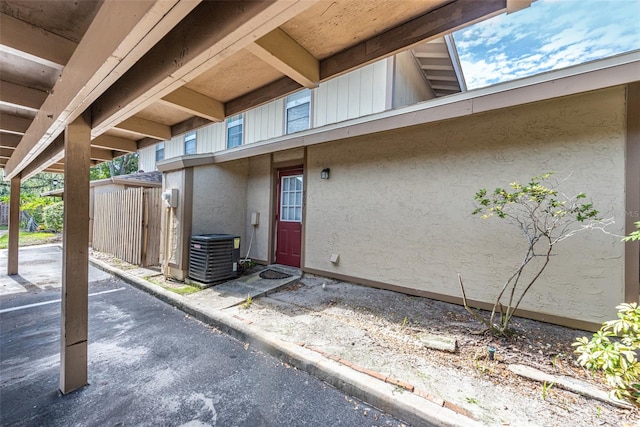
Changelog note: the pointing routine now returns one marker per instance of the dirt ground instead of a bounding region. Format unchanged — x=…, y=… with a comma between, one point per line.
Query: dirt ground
x=381, y=330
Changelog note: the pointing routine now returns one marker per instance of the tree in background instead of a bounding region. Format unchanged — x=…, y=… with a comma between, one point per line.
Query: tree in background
x=122, y=165
x=34, y=186
x=31, y=200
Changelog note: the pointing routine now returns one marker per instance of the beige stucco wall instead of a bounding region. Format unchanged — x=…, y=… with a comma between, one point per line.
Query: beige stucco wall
x=397, y=207
x=258, y=200
x=220, y=199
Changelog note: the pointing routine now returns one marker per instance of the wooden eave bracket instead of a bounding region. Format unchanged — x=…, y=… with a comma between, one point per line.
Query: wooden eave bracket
x=146, y=128
x=516, y=5
x=283, y=53
x=192, y=102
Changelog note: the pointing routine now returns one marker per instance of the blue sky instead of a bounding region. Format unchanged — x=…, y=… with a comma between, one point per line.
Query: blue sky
x=549, y=35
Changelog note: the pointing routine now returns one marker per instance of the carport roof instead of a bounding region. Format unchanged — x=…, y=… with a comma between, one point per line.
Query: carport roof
x=148, y=70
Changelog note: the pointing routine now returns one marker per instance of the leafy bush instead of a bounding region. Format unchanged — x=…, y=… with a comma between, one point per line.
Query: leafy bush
x=35, y=206
x=544, y=217
x=612, y=350
x=616, y=358
x=53, y=216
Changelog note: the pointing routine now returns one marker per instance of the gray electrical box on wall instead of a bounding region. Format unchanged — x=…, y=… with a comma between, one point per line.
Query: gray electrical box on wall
x=170, y=198
x=255, y=218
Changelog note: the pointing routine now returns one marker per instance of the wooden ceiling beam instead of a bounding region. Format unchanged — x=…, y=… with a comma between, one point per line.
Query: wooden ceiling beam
x=283, y=53
x=115, y=143
x=34, y=43
x=432, y=24
x=145, y=127
x=195, y=103
x=54, y=153
x=13, y=124
x=429, y=25
x=101, y=154
x=54, y=170
x=21, y=96
x=188, y=125
x=107, y=50
x=9, y=140
x=146, y=142
x=6, y=153
x=192, y=47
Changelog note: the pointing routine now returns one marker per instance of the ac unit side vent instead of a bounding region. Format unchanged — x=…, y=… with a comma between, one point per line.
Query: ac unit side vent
x=214, y=257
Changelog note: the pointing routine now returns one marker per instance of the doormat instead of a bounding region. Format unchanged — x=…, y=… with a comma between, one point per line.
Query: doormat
x=273, y=275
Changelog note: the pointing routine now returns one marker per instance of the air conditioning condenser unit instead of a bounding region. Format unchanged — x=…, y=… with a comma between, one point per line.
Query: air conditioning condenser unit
x=214, y=257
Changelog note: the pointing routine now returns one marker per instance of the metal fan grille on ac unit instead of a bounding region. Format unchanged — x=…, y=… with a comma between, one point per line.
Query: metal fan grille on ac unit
x=213, y=257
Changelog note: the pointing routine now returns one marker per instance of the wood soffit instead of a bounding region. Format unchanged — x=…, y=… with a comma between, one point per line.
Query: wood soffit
x=175, y=65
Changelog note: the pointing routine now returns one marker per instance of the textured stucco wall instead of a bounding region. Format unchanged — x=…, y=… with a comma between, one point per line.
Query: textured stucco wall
x=397, y=207
x=258, y=198
x=220, y=199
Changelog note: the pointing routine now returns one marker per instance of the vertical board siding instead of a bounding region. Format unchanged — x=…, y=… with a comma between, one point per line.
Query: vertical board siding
x=264, y=122
x=120, y=224
x=355, y=94
x=147, y=159
x=211, y=138
x=174, y=147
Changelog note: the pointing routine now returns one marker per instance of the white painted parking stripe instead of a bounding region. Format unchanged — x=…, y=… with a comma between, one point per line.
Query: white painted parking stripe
x=38, y=304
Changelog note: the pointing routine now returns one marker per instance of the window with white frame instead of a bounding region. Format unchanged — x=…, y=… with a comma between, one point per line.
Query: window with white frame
x=159, y=151
x=234, y=131
x=190, y=143
x=291, y=199
x=298, y=111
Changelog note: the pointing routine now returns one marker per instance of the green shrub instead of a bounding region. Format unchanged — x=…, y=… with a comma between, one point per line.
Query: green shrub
x=612, y=350
x=53, y=216
x=35, y=206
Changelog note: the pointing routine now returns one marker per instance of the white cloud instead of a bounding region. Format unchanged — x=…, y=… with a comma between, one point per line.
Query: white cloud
x=548, y=35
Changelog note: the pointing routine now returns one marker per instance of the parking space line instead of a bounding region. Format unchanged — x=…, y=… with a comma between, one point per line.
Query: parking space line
x=38, y=304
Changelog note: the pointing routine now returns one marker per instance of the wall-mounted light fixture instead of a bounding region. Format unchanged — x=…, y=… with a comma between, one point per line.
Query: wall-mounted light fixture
x=325, y=173
x=55, y=182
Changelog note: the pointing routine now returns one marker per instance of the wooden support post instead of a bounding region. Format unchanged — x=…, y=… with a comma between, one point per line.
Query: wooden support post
x=14, y=227
x=75, y=255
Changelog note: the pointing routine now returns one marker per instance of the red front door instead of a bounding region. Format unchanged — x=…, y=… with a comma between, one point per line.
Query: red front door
x=289, y=217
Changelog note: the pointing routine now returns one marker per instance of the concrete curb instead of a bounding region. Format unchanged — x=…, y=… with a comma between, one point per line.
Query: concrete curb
x=386, y=396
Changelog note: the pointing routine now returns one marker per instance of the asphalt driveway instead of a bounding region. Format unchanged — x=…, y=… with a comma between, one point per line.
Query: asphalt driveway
x=150, y=364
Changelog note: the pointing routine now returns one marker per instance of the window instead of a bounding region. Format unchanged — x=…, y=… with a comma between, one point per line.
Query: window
x=159, y=151
x=298, y=107
x=291, y=199
x=190, y=143
x=234, y=131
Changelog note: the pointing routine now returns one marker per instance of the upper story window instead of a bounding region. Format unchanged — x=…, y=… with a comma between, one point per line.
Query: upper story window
x=234, y=131
x=298, y=111
x=190, y=143
x=159, y=151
